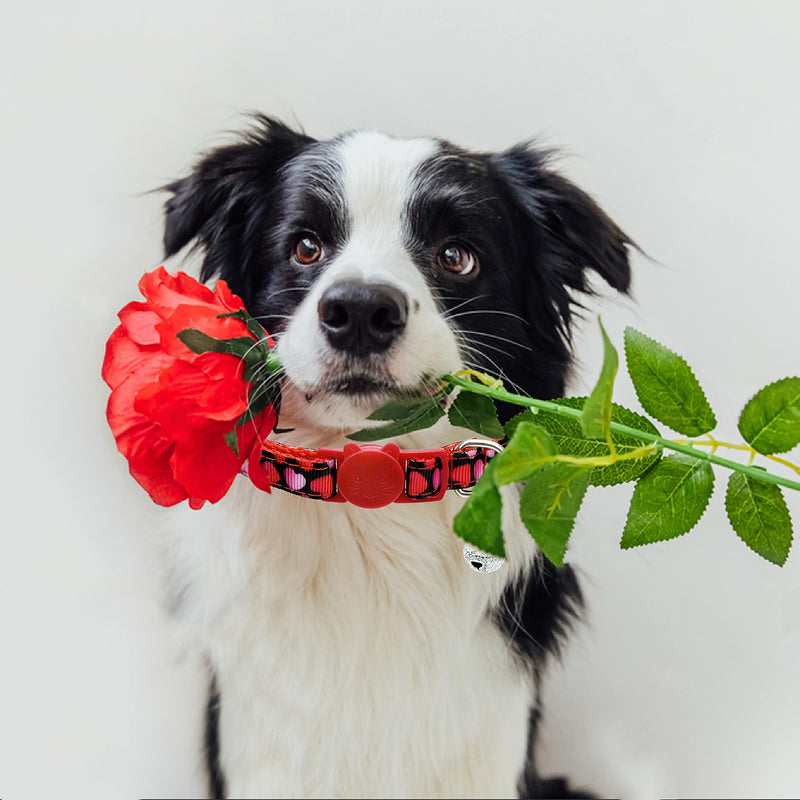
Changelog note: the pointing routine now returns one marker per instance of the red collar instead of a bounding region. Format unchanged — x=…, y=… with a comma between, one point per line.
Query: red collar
x=369, y=475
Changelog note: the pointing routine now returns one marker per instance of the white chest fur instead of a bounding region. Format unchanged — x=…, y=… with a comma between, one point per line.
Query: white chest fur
x=351, y=648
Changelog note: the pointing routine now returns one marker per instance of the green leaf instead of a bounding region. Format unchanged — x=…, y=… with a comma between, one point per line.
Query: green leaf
x=405, y=414
x=402, y=408
x=429, y=415
x=569, y=440
x=477, y=413
x=530, y=448
x=199, y=342
x=666, y=386
x=245, y=348
x=668, y=501
x=549, y=505
x=597, y=409
x=770, y=422
x=232, y=441
x=478, y=521
x=255, y=371
x=529, y=415
x=261, y=362
x=758, y=514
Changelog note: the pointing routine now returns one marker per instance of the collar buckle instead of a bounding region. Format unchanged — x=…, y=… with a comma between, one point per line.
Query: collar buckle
x=372, y=476
x=368, y=476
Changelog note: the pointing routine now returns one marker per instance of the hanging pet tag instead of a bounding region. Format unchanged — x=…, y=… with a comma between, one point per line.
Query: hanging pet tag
x=480, y=561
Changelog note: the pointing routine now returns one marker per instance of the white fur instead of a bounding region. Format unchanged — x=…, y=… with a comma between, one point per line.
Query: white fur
x=351, y=647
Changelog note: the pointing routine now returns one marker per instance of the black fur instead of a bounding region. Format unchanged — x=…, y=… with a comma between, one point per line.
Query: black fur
x=216, y=780
x=224, y=202
x=536, y=236
x=537, y=612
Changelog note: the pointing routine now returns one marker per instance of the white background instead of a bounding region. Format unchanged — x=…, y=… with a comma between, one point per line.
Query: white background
x=681, y=118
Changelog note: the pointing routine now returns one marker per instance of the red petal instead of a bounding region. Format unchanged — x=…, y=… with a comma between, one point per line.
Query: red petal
x=225, y=398
x=163, y=489
x=124, y=356
x=227, y=298
x=155, y=476
x=120, y=411
x=189, y=398
x=164, y=292
x=206, y=465
x=171, y=400
x=147, y=452
x=139, y=320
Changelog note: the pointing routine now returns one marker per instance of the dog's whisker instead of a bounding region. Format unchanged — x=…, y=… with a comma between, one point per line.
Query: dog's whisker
x=262, y=387
x=486, y=335
x=478, y=359
x=252, y=347
x=490, y=346
x=274, y=316
x=478, y=355
x=287, y=289
x=482, y=311
x=449, y=312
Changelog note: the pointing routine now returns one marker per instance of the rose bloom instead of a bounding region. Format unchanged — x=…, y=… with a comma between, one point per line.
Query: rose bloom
x=170, y=408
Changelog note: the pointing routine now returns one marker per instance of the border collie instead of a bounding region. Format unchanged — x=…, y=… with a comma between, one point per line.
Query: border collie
x=352, y=651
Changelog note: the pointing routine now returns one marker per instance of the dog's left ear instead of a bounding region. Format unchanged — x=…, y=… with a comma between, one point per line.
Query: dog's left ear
x=573, y=231
x=222, y=203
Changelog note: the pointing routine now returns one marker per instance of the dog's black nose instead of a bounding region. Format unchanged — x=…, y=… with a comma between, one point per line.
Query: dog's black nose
x=362, y=318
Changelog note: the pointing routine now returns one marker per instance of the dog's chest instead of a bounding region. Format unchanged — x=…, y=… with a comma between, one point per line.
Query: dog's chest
x=352, y=650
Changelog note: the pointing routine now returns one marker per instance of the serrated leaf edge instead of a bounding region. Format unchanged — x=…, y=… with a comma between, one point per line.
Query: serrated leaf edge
x=744, y=541
x=572, y=521
x=625, y=345
x=680, y=535
x=755, y=394
x=494, y=430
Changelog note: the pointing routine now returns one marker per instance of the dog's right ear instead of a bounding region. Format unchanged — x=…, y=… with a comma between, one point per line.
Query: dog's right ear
x=226, y=193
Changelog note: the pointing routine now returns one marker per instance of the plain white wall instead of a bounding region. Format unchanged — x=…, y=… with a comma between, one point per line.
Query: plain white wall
x=681, y=118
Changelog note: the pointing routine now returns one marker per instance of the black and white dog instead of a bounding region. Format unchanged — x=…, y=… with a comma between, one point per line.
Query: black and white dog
x=353, y=651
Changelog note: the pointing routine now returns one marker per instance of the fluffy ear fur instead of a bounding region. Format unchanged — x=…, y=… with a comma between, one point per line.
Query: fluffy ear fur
x=222, y=203
x=570, y=231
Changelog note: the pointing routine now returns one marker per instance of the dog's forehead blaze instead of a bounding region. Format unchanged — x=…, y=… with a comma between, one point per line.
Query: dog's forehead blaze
x=378, y=174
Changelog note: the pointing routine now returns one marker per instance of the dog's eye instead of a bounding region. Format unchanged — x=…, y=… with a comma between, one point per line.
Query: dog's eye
x=457, y=259
x=307, y=250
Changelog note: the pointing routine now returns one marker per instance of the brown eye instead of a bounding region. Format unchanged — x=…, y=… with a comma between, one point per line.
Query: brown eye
x=457, y=259
x=307, y=250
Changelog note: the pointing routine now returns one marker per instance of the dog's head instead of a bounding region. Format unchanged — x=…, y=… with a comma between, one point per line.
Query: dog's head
x=379, y=264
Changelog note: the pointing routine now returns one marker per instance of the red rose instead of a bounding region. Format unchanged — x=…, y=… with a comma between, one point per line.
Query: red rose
x=170, y=408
